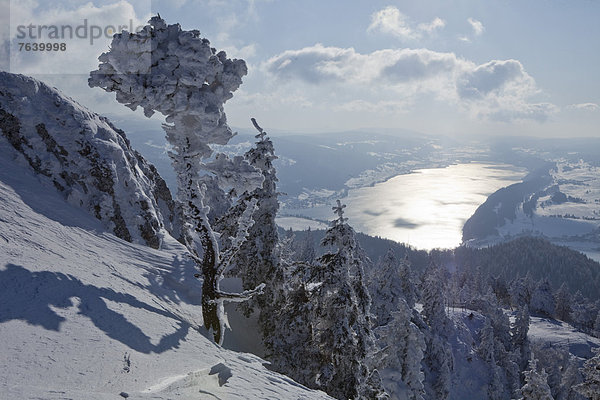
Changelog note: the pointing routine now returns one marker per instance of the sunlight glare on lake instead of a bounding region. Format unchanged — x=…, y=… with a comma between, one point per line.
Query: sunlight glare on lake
x=427, y=208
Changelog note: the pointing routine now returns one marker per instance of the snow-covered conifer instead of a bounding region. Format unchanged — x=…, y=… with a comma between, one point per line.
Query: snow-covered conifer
x=487, y=342
x=536, y=385
x=438, y=355
x=386, y=288
x=519, y=336
x=590, y=387
x=402, y=348
x=342, y=332
x=542, y=299
x=563, y=303
x=256, y=260
x=434, y=311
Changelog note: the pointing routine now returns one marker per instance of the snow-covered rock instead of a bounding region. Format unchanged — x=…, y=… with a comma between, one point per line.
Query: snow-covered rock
x=86, y=158
x=86, y=315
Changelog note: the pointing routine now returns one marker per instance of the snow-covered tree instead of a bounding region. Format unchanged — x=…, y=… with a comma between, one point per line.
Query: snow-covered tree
x=519, y=336
x=563, y=303
x=438, y=355
x=487, y=349
x=487, y=342
x=306, y=251
x=256, y=261
x=402, y=348
x=341, y=326
x=590, y=387
x=536, y=385
x=542, y=299
x=597, y=325
x=434, y=311
x=521, y=290
x=389, y=285
x=163, y=68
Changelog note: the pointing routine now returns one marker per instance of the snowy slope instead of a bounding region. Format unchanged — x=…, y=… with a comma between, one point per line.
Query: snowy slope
x=559, y=334
x=87, y=159
x=86, y=315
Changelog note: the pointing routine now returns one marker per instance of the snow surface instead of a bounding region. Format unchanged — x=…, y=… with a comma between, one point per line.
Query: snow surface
x=84, y=314
x=554, y=333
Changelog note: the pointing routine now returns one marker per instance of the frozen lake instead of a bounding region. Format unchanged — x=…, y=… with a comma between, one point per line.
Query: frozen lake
x=426, y=208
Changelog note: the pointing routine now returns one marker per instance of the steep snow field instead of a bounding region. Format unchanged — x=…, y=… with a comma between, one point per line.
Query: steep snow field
x=86, y=315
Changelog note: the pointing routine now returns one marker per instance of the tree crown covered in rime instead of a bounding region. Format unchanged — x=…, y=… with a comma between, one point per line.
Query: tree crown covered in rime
x=175, y=72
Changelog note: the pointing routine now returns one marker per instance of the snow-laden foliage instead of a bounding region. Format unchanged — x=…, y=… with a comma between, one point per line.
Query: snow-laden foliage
x=542, y=299
x=323, y=335
x=563, y=303
x=590, y=387
x=257, y=261
x=390, y=283
x=536, y=384
x=402, y=347
x=187, y=81
x=342, y=331
x=438, y=355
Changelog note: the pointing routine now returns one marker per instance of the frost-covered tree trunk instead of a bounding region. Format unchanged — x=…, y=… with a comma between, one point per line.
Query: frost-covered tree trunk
x=163, y=68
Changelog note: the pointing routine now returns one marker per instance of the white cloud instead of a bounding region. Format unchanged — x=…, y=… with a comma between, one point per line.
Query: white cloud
x=86, y=32
x=498, y=89
x=585, y=106
x=432, y=26
x=391, y=21
x=477, y=26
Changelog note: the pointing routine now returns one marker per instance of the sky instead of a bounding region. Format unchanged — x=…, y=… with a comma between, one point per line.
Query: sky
x=451, y=67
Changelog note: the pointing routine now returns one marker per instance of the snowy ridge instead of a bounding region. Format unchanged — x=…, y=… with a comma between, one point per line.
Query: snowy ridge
x=85, y=157
x=86, y=315
x=562, y=204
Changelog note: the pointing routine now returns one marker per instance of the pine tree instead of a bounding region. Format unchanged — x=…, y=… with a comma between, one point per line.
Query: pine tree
x=257, y=259
x=590, y=387
x=341, y=325
x=306, y=252
x=542, y=299
x=519, y=336
x=438, y=355
x=536, y=386
x=563, y=303
x=386, y=288
x=597, y=325
x=521, y=290
x=402, y=348
x=570, y=379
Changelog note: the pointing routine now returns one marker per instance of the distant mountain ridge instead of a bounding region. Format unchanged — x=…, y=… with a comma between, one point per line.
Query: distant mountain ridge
x=84, y=156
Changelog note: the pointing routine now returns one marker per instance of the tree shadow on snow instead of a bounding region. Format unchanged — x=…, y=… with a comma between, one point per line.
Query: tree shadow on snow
x=28, y=296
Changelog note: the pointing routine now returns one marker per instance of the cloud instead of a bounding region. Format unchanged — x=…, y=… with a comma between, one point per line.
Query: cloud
x=498, y=90
x=477, y=26
x=391, y=21
x=492, y=77
x=585, y=106
x=85, y=31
